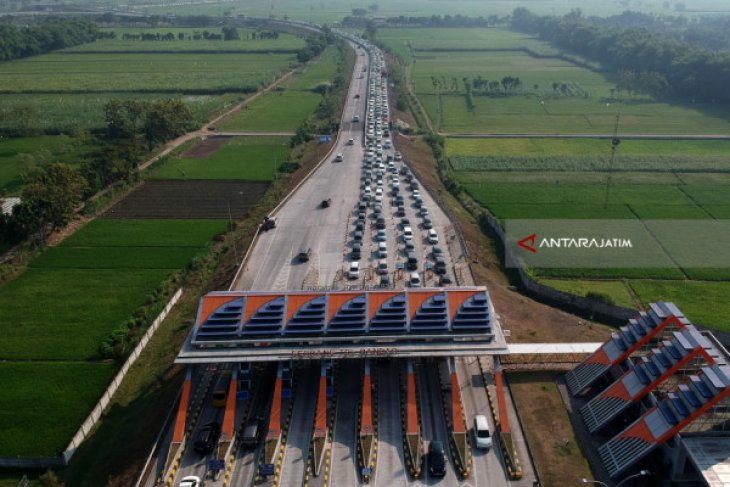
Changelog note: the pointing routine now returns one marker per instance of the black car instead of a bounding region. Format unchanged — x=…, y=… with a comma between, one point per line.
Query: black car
x=304, y=253
x=436, y=459
x=356, y=249
x=380, y=223
x=444, y=280
x=252, y=433
x=385, y=281
x=207, y=438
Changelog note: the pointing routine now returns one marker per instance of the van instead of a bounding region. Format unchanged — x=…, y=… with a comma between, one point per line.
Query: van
x=482, y=436
x=354, y=272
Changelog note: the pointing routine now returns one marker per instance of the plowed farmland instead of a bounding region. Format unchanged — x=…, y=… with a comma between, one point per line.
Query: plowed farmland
x=197, y=199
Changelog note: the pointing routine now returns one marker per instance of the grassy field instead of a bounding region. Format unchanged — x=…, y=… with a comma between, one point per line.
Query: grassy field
x=20, y=155
x=555, y=449
x=132, y=72
x=617, y=290
x=188, y=43
x=535, y=107
x=49, y=400
x=246, y=158
x=286, y=109
x=54, y=316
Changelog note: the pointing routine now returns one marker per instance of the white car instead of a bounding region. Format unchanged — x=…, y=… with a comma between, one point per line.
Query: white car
x=190, y=481
x=338, y=157
x=482, y=436
x=350, y=141
x=354, y=271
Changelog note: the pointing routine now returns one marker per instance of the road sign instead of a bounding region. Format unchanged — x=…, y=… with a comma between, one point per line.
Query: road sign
x=216, y=464
x=324, y=139
x=242, y=395
x=266, y=469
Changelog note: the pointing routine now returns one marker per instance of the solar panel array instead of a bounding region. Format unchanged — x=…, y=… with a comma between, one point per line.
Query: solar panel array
x=355, y=316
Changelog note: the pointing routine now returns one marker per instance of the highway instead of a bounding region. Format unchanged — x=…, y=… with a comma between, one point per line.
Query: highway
x=329, y=233
x=343, y=470
x=299, y=436
x=390, y=469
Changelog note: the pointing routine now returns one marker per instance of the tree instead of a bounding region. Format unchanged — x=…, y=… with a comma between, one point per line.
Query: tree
x=230, y=33
x=50, y=198
x=373, y=7
x=359, y=12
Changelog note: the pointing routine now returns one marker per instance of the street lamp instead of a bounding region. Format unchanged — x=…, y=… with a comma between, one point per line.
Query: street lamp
x=598, y=482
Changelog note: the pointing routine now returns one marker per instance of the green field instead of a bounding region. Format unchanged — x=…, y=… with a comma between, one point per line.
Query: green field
x=21, y=155
x=536, y=107
x=617, y=290
x=285, y=109
x=54, y=316
x=66, y=72
x=246, y=158
x=188, y=44
x=44, y=403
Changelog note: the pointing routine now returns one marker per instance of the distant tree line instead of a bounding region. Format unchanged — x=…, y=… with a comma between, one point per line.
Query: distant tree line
x=18, y=42
x=457, y=20
x=228, y=33
x=643, y=59
x=706, y=32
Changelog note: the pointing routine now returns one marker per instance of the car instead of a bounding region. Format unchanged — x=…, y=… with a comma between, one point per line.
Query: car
x=436, y=459
x=382, y=250
x=414, y=280
x=359, y=226
x=190, y=481
x=405, y=222
x=384, y=281
x=354, y=271
x=252, y=433
x=427, y=223
x=411, y=261
x=361, y=216
x=207, y=438
x=432, y=237
x=380, y=223
x=357, y=95
x=350, y=141
x=482, y=436
x=358, y=236
x=410, y=247
x=398, y=156
x=444, y=281
x=355, y=119
x=304, y=253
x=381, y=236
x=407, y=232
x=338, y=157
x=424, y=211
x=437, y=250
x=382, y=266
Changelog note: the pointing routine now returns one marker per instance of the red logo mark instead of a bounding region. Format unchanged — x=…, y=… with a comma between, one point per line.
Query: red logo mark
x=528, y=243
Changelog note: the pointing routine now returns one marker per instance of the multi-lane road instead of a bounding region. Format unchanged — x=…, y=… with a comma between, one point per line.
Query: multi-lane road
x=301, y=221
